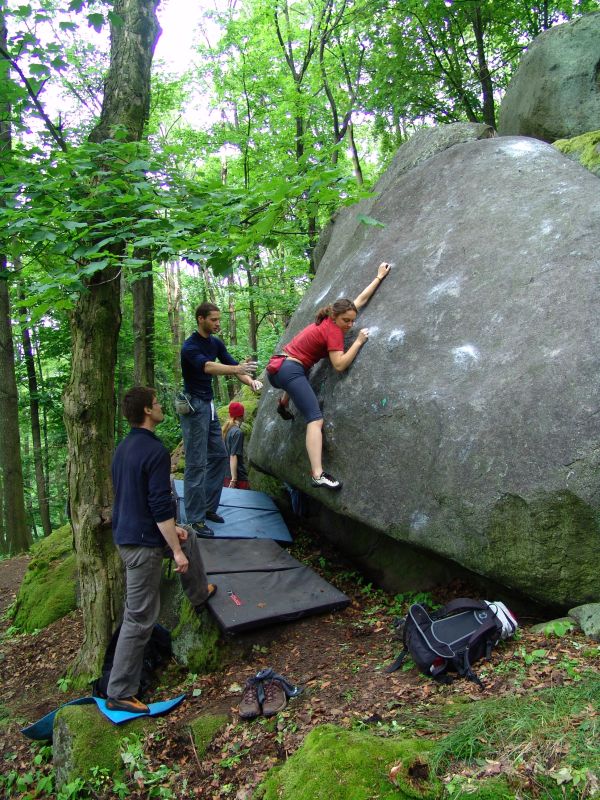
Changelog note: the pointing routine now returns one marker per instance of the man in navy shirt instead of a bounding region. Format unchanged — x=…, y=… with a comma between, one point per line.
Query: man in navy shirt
x=205, y=454
x=145, y=533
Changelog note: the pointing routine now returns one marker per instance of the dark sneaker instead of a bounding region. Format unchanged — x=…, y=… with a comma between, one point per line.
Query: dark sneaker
x=326, y=480
x=130, y=704
x=249, y=705
x=275, y=699
x=284, y=412
x=213, y=517
x=212, y=590
x=201, y=529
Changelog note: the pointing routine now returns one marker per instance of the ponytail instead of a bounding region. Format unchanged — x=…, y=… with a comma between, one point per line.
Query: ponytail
x=333, y=311
x=229, y=423
x=322, y=314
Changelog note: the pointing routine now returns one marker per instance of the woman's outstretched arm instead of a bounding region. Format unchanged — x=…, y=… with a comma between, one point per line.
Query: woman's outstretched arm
x=364, y=297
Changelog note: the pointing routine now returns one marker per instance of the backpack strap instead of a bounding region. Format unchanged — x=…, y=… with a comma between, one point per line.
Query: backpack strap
x=397, y=663
x=468, y=673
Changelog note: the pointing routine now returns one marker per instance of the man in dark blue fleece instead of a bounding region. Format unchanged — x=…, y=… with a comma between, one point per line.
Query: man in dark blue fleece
x=145, y=532
x=205, y=454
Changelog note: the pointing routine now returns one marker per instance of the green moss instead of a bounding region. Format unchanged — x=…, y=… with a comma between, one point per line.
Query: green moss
x=49, y=588
x=197, y=640
x=84, y=738
x=335, y=764
x=551, y=528
x=204, y=729
x=585, y=149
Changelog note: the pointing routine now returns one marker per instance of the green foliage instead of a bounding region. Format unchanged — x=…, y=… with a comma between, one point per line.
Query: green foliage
x=550, y=732
x=204, y=729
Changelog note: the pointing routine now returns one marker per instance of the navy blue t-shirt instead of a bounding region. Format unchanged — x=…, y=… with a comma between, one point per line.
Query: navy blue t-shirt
x=141, y=468
x=196, y=351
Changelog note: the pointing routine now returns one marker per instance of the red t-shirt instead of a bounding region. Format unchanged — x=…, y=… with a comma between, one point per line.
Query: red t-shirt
x=315, y=342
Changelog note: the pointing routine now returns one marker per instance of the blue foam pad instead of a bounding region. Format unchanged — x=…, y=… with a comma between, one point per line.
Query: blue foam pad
x=247, y=515
x=42, y=729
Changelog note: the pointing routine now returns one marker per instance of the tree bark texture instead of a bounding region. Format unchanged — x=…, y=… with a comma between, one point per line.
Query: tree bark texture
x=89, y=396
x=18, y=535
x=143, y=330
x=36, y=433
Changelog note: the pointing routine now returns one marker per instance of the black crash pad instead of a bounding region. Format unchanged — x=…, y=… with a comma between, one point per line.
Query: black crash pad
x=247, y=600
x=245, y=555
x=247, y=514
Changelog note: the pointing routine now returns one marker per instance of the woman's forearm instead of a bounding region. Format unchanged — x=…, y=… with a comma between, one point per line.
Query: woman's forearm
x=366, y=294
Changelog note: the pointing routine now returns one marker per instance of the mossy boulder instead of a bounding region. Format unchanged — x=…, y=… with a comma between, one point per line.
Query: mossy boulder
x=83, y=739
x=49, y=588
x=336, y=764
x=204, y=729
x=584, y=149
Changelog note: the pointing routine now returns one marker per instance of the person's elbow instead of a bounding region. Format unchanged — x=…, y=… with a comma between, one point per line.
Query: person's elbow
x=210, y=368
x=339, y=366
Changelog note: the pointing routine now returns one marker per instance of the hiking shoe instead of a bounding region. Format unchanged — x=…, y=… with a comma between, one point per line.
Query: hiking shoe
x=214, y=517
x=202, y=530
x=284, y=412
x=249, y=705
x=326, y=480
x=212, y=590
x=130, y=704
x=275, y=698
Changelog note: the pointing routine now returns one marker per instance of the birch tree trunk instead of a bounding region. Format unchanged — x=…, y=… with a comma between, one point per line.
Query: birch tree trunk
x=89, y=402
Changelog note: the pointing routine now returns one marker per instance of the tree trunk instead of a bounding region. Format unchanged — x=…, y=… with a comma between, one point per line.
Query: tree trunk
x=354, y=154
x=143, y=330
x=18, y=535
x=173, y=282
x=89, y=403
x=36, y=433
x=485, y=79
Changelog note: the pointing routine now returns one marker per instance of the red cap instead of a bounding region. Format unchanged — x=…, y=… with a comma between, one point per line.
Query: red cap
x=236, y=410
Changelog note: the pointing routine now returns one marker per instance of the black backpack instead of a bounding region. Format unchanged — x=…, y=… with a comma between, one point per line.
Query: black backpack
x=453, y=637
x=156, y=653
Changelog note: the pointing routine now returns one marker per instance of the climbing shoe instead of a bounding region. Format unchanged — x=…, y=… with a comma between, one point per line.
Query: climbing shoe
x=326, y=480
x=130, y=704
x=284, y=412
x=249, y=705
x=212, y=590
x=275, y=698
x=202, y=530
x=214, y=517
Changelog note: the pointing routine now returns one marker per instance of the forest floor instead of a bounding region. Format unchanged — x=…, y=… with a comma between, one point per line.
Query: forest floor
x=337, y=659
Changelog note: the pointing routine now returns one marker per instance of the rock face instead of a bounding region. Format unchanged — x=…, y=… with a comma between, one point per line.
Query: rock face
x=468, y=424
x=555, y=93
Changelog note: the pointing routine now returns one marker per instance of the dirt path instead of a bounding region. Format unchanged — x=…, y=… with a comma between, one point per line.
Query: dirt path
x=11, y=575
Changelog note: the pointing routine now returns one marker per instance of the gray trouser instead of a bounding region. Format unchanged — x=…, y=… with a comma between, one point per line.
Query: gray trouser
x=142, y=605
x=205, y=460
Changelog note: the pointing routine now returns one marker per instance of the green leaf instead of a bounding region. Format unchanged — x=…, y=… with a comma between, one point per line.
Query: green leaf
x=96, y=21
x=366, y=220
x=39, y=69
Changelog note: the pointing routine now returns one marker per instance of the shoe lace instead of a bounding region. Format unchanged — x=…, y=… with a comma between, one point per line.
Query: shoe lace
x=249, y=694
x=270, y=689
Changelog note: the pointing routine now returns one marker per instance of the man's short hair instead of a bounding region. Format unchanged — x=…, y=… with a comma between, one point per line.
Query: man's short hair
x=204, y=309
x=136, y=401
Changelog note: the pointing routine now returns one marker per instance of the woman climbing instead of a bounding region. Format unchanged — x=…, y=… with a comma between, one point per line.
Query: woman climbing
x=233, y=437
x=289, y=370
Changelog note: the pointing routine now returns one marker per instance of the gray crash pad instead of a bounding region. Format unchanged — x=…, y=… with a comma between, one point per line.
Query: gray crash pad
x=246, y=600
x=247, y=515
x=248, y=555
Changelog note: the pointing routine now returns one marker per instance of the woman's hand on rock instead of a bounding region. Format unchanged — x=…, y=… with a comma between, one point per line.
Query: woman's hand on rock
x=383, y=269
x=363, y=335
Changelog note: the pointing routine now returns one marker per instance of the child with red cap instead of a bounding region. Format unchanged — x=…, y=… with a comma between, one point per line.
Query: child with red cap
x=233, y=436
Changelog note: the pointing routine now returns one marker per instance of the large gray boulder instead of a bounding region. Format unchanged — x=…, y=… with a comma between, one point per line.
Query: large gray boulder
x=555, y=92
x=468, y=425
